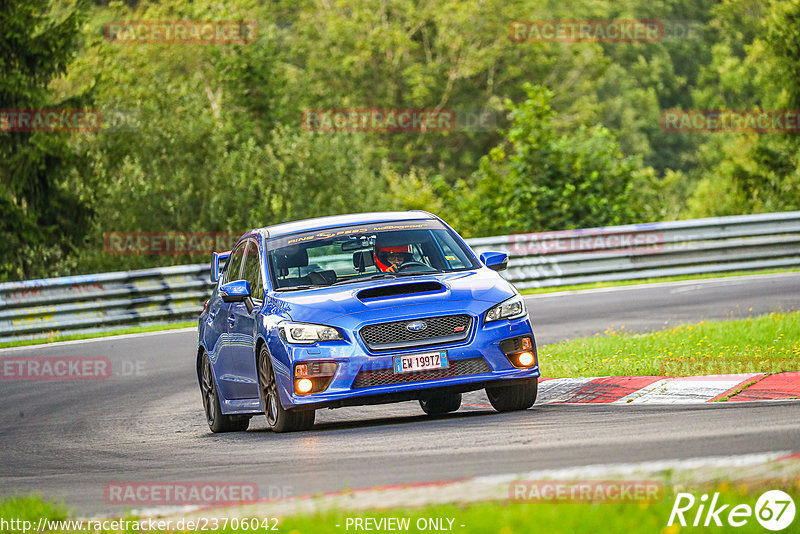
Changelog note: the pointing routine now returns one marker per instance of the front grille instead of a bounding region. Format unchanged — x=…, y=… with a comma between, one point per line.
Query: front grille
x=438, y=331
x=385, y=377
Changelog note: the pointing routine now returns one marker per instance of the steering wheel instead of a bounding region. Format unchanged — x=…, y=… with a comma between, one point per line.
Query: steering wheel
x=410, y=264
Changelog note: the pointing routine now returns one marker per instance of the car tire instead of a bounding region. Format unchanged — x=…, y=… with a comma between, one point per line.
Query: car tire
x=441, y=403
x=512, y=398
x=217, y=421
x=278, y=418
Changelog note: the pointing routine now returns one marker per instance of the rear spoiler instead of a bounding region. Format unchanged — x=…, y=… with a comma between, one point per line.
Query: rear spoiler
x=217, y=259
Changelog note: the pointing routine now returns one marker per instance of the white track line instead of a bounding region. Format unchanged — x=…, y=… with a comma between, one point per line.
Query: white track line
x=683, y=472
x=97, y=339
x=699, y=281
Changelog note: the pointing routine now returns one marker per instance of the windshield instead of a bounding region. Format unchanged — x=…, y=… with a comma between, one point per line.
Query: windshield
x=361, y=252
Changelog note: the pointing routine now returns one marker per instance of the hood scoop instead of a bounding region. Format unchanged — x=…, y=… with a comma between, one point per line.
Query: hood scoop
x=396, y=290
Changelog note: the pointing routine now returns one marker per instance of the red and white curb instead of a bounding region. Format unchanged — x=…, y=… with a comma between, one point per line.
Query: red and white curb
x=659, y=389
x=665, y=390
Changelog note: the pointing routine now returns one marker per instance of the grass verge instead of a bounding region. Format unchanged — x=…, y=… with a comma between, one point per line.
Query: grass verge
x=527, y=517
x=132, y=330
x=765, y=344
x=597, y=285
x=502, y=517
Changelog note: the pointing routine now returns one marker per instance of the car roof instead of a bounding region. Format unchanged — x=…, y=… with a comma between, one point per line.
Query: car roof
x=333, y=221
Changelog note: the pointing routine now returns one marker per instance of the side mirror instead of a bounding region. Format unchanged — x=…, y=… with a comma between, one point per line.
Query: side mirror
x=236, y=291
x=217, y=259
x=496, y=261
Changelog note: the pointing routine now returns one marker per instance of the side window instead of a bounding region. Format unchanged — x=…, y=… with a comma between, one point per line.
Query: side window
x=252, y=270
x=234, y=264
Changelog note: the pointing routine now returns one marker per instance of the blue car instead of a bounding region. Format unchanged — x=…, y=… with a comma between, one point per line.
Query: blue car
x=359, y=309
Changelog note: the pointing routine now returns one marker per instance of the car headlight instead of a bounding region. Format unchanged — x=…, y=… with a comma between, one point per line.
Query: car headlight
x=308, y=333
x=513, y=308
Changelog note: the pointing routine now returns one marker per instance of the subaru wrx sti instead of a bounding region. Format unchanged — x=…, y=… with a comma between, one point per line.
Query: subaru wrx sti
x=359, y=309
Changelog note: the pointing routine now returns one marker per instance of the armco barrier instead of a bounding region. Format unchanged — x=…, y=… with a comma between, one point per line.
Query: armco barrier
x=91, y=303
x=630, y=252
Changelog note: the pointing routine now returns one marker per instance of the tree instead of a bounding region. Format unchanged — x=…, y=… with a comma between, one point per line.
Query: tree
x=207, y=138
x=437, y=55
x=45, y=208
x=757, y=172
x=541, y=180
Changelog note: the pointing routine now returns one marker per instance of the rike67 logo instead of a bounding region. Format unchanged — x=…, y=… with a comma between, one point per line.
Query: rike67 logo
x=774, y=510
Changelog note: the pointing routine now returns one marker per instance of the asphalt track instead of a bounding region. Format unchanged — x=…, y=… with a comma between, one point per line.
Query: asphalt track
x=67, y=440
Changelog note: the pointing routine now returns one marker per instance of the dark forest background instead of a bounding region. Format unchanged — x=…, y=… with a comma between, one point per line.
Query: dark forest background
x=201, y=137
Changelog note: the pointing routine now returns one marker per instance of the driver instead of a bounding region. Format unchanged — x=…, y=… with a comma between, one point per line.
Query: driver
x=389, y=259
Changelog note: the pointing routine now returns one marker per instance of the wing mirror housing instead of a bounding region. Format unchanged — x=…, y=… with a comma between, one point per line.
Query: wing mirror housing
x=496, y=261
x=237, y=291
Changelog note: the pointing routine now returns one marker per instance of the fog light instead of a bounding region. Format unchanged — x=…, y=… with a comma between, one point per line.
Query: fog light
x=304, y=385
x=314, y=376
x=525, y=359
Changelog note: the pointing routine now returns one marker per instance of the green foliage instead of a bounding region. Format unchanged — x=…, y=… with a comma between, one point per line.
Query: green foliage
x=746, y=173
x=31, y=508
x=202, y=137
x=44, y=200
x=555, y=515
x=541, y=180
x=765, y=344
x=658, y=198
x=411, y=191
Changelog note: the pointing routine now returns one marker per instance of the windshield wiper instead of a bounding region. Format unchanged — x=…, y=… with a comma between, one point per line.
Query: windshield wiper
x=381, y=276
x=417, y=273
x=298, y=288
x=366, y=279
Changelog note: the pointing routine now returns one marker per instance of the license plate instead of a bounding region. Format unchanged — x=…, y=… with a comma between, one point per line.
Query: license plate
x=421, y=362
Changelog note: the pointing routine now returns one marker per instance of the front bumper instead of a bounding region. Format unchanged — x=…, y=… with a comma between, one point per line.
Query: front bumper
x=354, y=360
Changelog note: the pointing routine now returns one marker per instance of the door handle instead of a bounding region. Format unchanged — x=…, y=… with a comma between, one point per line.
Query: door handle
x=231, y=319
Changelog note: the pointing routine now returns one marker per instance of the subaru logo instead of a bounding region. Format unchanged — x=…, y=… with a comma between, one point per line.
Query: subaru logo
x=417, y=326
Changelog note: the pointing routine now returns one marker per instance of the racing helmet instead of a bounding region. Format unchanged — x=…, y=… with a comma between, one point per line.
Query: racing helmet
x=384, y=256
